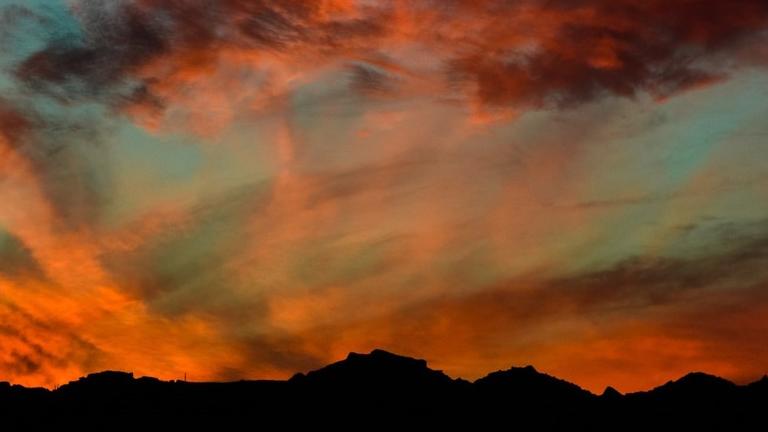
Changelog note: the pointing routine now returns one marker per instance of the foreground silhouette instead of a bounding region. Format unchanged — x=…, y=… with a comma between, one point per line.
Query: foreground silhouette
x=381, y=389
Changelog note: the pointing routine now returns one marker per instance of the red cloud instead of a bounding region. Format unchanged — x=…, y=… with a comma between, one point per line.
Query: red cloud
x=528, y=54
x=577, y=51
x=12, y=123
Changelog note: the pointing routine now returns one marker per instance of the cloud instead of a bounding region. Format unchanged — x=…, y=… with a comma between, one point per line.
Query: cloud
x=12, y=124
x=143, y=56
x=661, y=316
x=114, y=43
x=370, y=80
x=16, y=259
x=128, y=49
x=573, y=52
x=397, y=234
x=25, y=357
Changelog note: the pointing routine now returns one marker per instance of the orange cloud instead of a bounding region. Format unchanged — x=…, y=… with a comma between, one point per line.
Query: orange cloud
x=351, y=256
x=206, y=66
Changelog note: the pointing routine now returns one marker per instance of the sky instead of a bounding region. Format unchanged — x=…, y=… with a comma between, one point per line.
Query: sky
x=250, y=189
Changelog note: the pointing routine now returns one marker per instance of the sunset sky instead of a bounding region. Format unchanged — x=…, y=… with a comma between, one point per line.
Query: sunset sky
x=247, y=189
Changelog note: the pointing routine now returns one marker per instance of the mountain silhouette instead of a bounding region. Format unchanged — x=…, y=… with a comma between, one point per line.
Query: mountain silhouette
x=385, y=390
x=527, y=384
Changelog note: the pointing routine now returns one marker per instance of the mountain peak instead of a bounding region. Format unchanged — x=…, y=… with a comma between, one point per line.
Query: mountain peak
x=694, y=385
x=527, y=382
x=101, y=380
x=378, y=367
x=611, y=393
x=759, y=385
x=106, y=377
x=383, y=356
x=700, y=379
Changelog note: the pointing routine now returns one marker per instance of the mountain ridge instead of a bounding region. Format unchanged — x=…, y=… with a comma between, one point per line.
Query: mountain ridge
x=392, y=388
x=378, y=353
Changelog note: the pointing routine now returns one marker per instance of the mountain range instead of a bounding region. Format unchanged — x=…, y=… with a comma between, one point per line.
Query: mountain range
x=385, y=390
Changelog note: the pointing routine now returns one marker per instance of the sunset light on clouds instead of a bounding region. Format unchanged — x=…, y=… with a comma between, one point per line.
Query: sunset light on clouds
x=248, y=189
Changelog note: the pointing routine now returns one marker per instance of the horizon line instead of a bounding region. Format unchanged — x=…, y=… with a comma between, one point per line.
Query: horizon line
x=738, y=383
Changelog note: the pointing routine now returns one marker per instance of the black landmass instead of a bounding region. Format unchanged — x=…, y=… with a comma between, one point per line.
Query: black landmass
x=384, y=390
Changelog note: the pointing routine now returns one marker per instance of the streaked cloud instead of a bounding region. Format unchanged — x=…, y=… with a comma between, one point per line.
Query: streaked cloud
x=247, y=189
